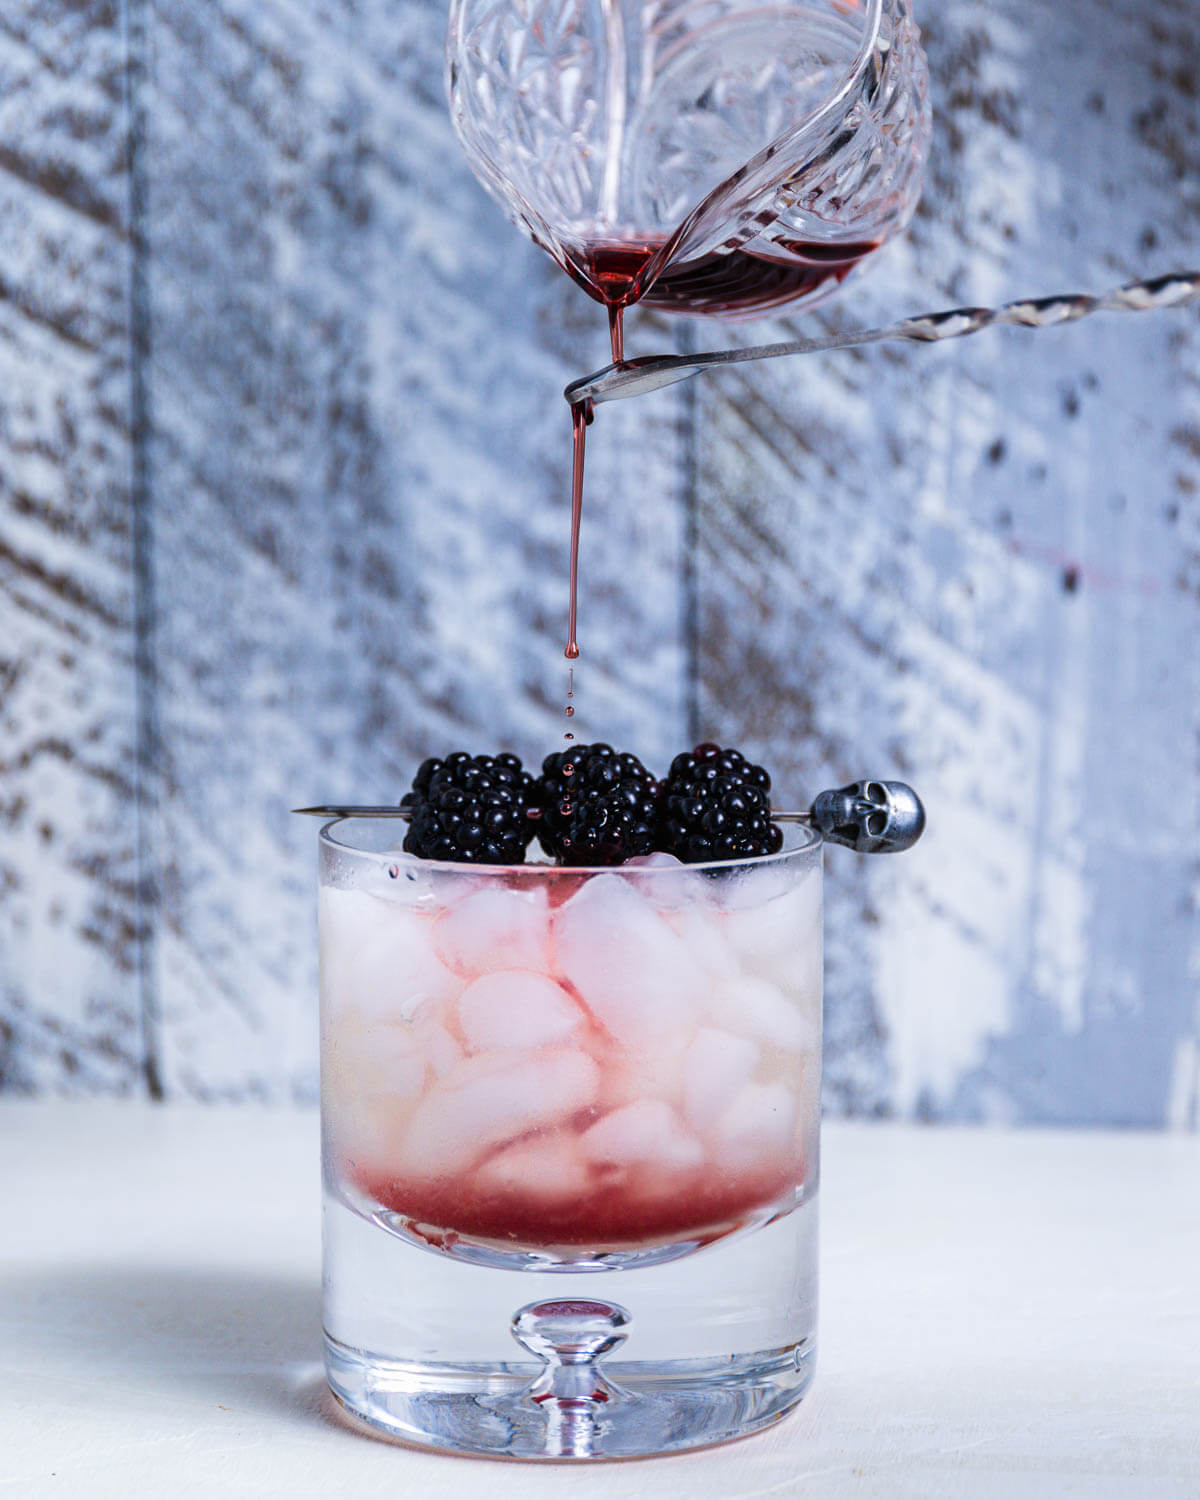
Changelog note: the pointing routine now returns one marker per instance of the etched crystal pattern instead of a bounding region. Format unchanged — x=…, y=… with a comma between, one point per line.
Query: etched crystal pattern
x=869, y=187
x=596, y=121
x=527, y=104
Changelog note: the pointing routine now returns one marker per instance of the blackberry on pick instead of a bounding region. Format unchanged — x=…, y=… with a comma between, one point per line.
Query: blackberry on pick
x=716, y=805
x=597, y=807
x=471, y=809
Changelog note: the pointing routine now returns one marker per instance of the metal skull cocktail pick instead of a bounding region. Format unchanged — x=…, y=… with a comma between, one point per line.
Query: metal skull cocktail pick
x=871, y=817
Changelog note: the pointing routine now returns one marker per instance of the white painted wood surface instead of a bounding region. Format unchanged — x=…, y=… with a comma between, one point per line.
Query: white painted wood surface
x=1003, y=1313
x=331, y=425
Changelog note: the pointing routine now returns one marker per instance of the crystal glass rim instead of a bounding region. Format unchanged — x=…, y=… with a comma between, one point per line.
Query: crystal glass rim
x=830, y=114
x=872, y=21
x=806, y=839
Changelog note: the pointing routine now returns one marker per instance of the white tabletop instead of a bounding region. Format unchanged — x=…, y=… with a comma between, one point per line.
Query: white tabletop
x=1003, y=1315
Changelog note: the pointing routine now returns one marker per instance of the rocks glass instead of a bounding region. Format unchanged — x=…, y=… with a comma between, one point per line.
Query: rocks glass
x=577, y=1109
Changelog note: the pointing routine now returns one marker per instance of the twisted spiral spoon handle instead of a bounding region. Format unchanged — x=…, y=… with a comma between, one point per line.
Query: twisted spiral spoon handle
x=635, y=377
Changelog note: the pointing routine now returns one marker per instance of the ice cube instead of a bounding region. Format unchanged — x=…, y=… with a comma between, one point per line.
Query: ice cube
x=789, y=923
x=390, y=1061
x=646, y=1131
x=439, y=1047
x=798, y=974
x=669, y=884
x=704, y=934
x=372, y=1077
x=371, y=1080
x=495, y=928
x=755, y=1008
x=757, y=1130
x=345, y=919
x=378, y=959
x=551, y=1170
x=367, y=1130
x=636, y=975
x=752, y=885
x=716, y=1066
x=490, y=1099
x=516, y=1009
x=648, y=1073
x=605, y=895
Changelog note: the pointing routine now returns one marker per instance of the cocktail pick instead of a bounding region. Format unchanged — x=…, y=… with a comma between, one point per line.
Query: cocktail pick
x=635, y=377
x=871, y=817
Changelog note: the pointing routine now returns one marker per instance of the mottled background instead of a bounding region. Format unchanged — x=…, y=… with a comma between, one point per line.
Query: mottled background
x=283, y=466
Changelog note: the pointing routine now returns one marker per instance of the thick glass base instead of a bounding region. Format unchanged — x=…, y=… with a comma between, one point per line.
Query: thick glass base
x=606, y=1358
x=634, y=1410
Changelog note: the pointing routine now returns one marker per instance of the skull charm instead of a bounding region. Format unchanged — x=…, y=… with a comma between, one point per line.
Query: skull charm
x=873, y=817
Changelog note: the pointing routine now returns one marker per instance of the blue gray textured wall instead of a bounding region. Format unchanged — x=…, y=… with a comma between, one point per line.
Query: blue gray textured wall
x=283, y=468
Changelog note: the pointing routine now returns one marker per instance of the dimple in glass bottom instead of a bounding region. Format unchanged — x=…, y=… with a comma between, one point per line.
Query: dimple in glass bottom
x=646, y=1411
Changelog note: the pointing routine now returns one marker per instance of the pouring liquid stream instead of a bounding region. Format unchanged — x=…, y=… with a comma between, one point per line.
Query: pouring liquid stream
x=738, y=283
x=581, y=417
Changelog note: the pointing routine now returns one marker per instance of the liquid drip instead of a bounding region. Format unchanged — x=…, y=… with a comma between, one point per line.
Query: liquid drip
x=737, y=283
x=616, y=332
x=580, y=418
x=569, y=710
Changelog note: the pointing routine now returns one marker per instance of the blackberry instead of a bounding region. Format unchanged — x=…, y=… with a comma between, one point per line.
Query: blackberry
x=716, y=805
x=473, y=809
x=597, y=807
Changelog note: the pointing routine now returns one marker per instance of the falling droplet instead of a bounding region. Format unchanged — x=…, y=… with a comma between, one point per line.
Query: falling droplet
x=570, y=708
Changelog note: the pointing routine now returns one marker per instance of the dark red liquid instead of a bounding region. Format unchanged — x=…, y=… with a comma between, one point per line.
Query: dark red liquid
x=610, y=1217
x=581, y=416
x=740, y=282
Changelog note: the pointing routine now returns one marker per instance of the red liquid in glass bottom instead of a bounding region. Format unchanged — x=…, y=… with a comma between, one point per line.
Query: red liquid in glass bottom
x=612, y=1217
